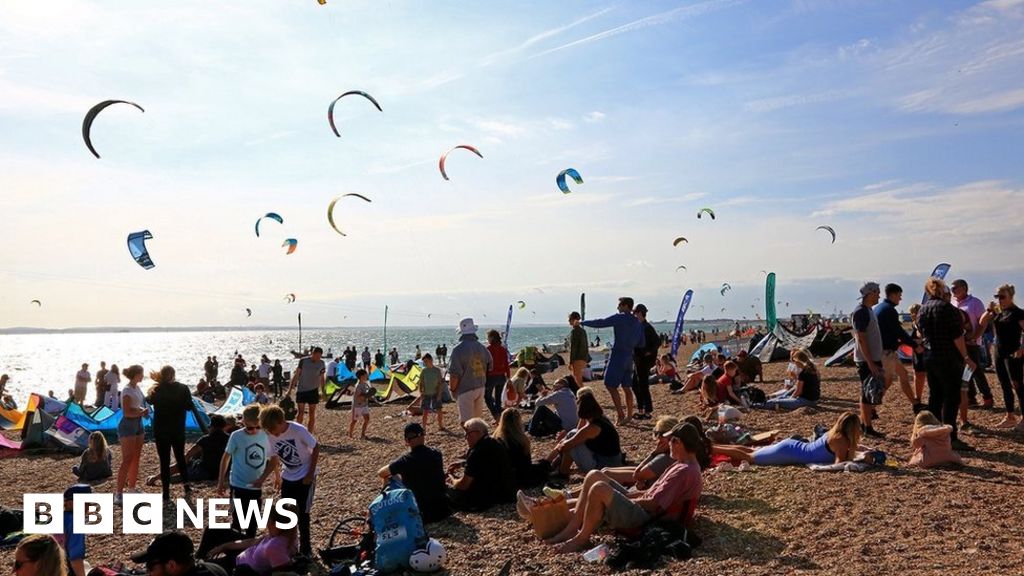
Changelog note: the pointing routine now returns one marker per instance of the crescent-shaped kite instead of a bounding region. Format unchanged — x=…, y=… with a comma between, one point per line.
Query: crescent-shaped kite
x=291, y=244
x=829, y=230
x=440, y=163
x=330, y=109
x=707, y=211
x=679, y=241
x=681, y=266
x=91, y=115
x=330, y=209
x=248, y=312
x=521, y=304
x=570, y=172
x=725, y=287
x=273, y=216
x=37, y=303
x=290, y=297
x=137, y=247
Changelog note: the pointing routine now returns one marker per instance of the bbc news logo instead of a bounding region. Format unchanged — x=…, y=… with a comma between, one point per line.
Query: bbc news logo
x=144, y=513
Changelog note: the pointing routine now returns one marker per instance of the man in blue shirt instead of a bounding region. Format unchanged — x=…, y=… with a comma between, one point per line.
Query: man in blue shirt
x=619, y=372
x=74, y=544
x=893, y=335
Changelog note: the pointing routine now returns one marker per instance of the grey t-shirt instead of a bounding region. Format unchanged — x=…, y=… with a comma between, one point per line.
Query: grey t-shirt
x=470, y=362
x=864, y=320
x=309, y=378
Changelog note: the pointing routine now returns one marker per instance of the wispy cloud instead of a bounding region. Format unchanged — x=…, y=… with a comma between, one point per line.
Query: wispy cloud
x=676, y=14
x=779, y=102
x=270, y=138
x=594, y=117
x=654, y=200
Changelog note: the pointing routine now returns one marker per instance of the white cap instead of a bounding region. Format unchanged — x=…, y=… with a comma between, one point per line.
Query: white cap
x=467, y=326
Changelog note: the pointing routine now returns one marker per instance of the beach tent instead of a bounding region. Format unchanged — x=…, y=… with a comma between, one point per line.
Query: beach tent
x=778, y=344
x=700, y=352
x=33, y=434
x=378, y=375
x=842, y=354
x=12, y=420
x=68, y=436
x=237, y=400
x=110, y=420
x=6, y=444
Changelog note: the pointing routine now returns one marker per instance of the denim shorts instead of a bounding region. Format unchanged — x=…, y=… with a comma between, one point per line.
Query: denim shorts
x=129, y=427
x=431, y=404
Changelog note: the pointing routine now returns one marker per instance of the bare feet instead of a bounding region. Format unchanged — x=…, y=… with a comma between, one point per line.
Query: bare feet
x=1008, y=422
x=574, y=545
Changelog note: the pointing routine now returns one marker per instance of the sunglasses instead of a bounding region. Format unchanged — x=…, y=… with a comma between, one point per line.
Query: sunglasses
x=999, y=296
x=252, y=428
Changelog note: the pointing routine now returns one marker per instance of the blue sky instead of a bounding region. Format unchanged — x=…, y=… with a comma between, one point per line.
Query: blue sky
x=897, y=123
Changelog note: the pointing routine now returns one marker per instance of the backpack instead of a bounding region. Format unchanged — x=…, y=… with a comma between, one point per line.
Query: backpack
x=396, y=521
x=753, y=395
x=544, y=423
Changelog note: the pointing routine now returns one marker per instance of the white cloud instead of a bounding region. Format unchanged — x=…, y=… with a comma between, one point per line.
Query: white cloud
x=779, y=102
x=595, y=117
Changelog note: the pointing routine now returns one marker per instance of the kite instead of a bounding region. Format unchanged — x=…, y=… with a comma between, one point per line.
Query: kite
x=534, y=312
x=273, y=216
x=829, y=230
x=291, y=243
x=708, y=211
x=444, y=156
x=37, y=303
x=723, y=309
x=248, y=312
x=725, y=288
x=330, y=109
x=681, y=266
x=678, y=240
x=521, y=304
x=90, y=116
x=570, y=172
x=137, y=247
x=428, y=316
x=289, y=298
x=330, y=209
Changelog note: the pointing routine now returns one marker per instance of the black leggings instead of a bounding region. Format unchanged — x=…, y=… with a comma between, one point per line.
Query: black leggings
x=301, y=493
x=642, y=388
x=163, y=451
x=944, y=390
x=1010, y=372
x=244, y=496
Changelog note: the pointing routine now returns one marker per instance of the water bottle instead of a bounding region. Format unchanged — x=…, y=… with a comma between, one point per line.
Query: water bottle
x=596, y=554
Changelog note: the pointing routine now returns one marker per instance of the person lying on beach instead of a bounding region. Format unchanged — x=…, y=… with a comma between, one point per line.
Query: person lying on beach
x=837, y=445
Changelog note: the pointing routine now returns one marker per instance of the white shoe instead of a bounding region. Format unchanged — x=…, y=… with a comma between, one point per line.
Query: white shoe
x=523, y=505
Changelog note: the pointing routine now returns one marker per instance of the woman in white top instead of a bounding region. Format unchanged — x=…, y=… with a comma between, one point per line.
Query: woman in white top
x=130, y=432
x=113, y=380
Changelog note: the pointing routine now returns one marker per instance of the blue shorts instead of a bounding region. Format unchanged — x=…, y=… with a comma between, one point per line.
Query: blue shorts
x=430, y=404
x=619, y=373
x=129, y=427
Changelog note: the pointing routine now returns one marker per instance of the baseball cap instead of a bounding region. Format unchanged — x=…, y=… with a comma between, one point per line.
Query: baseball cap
x=640, y=308
x=174, y=545
x=467, y=326
x=869, y=288
x=69, y=494
x=413, y=430
x=678, y=430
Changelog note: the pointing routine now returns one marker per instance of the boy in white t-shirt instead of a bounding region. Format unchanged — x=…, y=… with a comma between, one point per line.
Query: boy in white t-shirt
x=298, y=452
x=361, y=402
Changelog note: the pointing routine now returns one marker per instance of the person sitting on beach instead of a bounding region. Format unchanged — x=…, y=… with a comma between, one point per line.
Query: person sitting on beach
x=39, y=555
x=705, y=368
x=517, y=445
x=807, y=390
x=96, y=461
x=263, y=556
x=603, y=500
x=562, y=398
x=726, y=385
x=487, y=477
x=750, y=368
x=931, y=442
x=594, y=444
x=665, y=371
x=709, y=396
x=173, y=554
x=261, y=395
x=653, y=466
x=421, y=469
x=204, y=456
x=361, y=395
x=837, y=445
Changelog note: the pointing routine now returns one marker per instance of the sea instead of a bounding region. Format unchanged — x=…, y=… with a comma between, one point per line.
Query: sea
x=48, y=362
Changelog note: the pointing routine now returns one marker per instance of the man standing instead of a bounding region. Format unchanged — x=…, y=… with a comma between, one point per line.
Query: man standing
x=468, y=371
x=644, y=357
x=945, y=355
x=893, y=335
x=216, y=370
x=82, y=379
x=974, y=308
x=628, y=334
x=867, y=354
x=366, y=357
x=208, y=370
x=101, y=383
x=393, y=356
x=579, y=352
x=422, y=471
x=309, y=375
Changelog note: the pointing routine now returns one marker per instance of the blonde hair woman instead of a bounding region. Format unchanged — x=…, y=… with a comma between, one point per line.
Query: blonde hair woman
x=96, y=460
x=130, y=433
x=39, y=555
x=1008, y=321
x=808, y=385
x=930, y=441
x=837, y=445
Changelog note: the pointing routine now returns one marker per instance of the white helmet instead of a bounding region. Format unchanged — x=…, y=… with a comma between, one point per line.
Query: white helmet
x=430, y=558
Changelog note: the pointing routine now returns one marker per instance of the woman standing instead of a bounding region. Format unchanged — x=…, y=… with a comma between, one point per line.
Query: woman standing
x=112, y=381
x=39, y=555
x=171, y=401
x=1008, y=320
x=498, y=373
x=129, y=431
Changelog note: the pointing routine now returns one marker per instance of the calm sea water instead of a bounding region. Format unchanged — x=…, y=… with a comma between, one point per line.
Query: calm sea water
x=44, y=362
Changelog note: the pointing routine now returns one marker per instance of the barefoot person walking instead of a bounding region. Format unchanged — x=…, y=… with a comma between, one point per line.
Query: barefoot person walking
x=309, y=375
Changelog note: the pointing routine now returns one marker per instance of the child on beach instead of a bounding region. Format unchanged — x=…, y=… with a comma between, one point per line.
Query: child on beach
x=96, y=461
x=261, y=395
x=361, y=402
x=931, y=442
x=431, y=393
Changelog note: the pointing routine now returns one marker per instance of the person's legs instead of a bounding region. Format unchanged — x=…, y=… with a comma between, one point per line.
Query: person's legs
x=133, y=468
x=366, y=422
x=577, y=371
x=734, y=452
x=489, y=386
x=300, y=412
x=627, y=390
x=244, y=496
x=592, y=516
x=163, y=452
x=477, y=398
x=178, y=445
x=127, y=450
x=301, y=493
x=788, y=403
x=312, y=418
x=577, y=511
x=866, y=410
x=642, y=388
x=1005, y=382
x=979, y=382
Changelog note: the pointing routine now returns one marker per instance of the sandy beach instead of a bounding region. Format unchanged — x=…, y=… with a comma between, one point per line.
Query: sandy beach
x=761, y=521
